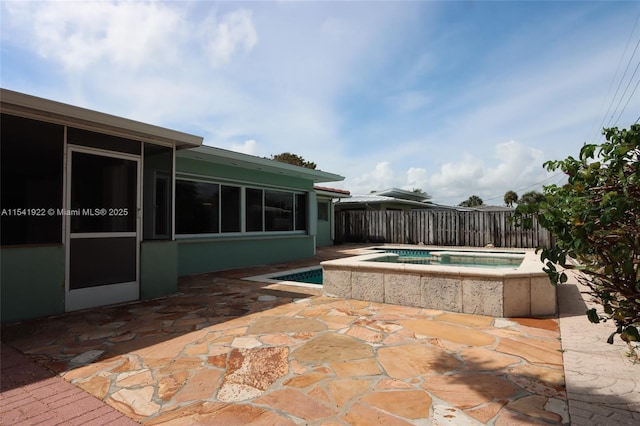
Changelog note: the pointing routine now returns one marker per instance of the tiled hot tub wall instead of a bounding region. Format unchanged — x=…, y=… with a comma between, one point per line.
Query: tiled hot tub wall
x=522, y=292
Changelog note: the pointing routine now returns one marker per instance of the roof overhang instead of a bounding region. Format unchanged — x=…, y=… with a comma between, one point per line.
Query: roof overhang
x=331, y=192
x=47, y=110
x=222, y=156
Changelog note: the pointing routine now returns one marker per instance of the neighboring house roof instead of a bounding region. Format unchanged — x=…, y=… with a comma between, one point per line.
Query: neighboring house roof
x=381, y=199
x=223, y=156
x=396, y=196
x=403, y=194
x=331, y=192
x=56, y=112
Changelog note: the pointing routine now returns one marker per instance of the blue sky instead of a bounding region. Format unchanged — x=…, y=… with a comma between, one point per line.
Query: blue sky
x=456, y=98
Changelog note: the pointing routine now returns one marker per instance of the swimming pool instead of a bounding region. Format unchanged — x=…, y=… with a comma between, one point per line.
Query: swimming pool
x=305, y=277
x=311, y=276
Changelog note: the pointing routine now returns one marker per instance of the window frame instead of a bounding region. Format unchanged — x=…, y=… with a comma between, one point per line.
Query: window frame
x=243, y=187
x=326, y=214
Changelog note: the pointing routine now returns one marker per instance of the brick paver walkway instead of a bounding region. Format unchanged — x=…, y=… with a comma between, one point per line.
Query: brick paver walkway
x=32, y=395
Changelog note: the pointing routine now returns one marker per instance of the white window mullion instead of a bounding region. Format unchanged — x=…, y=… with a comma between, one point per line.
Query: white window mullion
x=219, y=209
x=243, y=210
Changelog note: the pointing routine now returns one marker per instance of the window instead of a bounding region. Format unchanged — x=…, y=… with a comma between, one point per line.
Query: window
x=301, y=212
x=323, y=211
x=254, y=210
x=211, y=208
x=197, y=207
x=230, y=208
x=31, y=168
x=278, y=211
x=162, y=206
x=158, y=194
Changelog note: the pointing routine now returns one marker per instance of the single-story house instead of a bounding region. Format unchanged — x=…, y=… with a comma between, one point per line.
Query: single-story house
x=388, y=200
x=98, y=209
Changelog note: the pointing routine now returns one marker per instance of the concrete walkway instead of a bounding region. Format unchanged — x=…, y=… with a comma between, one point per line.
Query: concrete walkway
x=225, y=350
x=603, y=386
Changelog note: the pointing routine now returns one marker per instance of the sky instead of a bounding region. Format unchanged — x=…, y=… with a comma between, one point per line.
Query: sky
x=453, y=98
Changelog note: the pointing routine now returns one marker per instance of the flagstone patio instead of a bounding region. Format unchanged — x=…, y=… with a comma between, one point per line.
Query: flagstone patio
x=229, y=351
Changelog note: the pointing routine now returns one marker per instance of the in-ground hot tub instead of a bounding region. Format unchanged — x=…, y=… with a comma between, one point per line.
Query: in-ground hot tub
x=499, y=283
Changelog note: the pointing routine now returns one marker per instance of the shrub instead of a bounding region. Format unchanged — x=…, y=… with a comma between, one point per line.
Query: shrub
x=595, y=219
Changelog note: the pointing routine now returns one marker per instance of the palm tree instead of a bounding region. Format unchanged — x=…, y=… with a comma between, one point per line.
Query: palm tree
x=510, y=197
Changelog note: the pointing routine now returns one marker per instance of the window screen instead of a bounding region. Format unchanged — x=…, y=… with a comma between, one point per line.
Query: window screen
x=31, y=181
x=278, y=211
x=197, y=207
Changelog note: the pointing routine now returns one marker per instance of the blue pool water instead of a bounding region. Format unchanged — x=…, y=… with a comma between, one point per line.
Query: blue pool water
x=424, y=257
x=409, y=253
x=313, y=276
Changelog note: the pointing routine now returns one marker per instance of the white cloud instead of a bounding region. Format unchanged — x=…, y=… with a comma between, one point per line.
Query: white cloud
x=381, y=177
x=457, y=177
x=417, y=178
x=129, y=34
x=518, y=167
x=78, y=35
x=232, y=32
x=513, y=166
x=385, y=175
x=249, y=146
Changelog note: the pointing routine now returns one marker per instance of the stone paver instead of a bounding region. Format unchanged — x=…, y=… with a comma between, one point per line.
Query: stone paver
x=228, y=351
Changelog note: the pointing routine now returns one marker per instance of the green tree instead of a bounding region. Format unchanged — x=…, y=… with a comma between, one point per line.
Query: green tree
x=531, y=197
x=510, y=197
x=296, y=160
x=595, y=219
x=472, y=201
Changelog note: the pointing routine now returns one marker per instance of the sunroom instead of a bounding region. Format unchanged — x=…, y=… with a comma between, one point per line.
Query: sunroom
x=98, y=209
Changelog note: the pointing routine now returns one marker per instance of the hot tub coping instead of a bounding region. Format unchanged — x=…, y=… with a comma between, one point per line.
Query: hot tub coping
x=530, y=266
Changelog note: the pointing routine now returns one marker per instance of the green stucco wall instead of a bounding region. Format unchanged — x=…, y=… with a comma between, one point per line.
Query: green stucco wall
x=200, y=256
x=31, y=282
x=158, y=268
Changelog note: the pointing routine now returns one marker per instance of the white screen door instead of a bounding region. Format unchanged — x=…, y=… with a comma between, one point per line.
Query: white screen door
x=102, y=228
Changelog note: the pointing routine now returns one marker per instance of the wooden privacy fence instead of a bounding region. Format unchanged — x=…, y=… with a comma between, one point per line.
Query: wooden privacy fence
x=438, y=227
